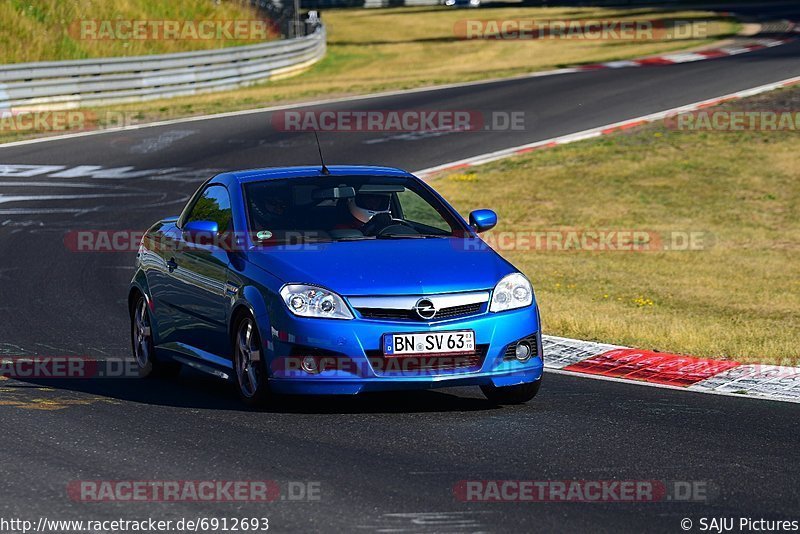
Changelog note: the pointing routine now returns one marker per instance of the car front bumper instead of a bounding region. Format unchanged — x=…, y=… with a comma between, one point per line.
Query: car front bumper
x=350, y=353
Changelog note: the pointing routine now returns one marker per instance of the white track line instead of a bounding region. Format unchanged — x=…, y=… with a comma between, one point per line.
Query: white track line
x=601, y=130
x=665, y=386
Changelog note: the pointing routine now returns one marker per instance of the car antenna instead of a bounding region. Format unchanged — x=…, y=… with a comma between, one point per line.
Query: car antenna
x=324, y=169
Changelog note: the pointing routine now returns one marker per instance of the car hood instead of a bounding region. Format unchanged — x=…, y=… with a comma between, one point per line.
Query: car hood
x=387, y=266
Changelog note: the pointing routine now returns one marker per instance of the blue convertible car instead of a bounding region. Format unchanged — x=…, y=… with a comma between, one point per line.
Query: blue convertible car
x=309, y=280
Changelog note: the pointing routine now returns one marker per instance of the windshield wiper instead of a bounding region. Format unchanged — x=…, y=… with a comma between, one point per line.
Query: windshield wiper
x=410, y=236
x=354, y=238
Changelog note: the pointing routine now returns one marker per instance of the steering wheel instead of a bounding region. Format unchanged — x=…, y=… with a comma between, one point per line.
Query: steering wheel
x=380, y=223
x=397, y=226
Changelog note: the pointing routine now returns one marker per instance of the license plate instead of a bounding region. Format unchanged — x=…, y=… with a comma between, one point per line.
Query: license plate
x=462, y=341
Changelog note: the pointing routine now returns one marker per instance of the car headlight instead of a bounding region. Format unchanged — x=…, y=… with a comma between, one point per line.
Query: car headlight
x=513, y=291
x=312, y=301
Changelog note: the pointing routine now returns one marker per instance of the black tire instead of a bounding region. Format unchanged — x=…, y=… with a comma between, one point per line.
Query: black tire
x=250, y=377
x=144, y=351
x=512, y=394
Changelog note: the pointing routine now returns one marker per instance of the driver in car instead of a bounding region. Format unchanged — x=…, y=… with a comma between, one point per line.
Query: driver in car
x=364, y=206
x=372, y=216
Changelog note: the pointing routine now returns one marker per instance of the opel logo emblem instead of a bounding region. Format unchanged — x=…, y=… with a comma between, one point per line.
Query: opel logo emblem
x=425, y=309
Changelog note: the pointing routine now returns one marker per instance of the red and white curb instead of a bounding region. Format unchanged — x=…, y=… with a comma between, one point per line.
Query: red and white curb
x=689, y=57
x=473, y=161
x=721, y=377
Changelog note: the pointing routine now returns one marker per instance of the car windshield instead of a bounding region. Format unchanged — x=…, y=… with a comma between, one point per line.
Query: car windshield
x=346, y=209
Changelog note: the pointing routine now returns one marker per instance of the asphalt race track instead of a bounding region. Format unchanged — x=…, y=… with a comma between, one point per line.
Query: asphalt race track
x=384, y=462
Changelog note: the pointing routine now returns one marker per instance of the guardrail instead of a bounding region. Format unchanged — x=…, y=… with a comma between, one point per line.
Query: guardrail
x=401, y=3
x=72, y=84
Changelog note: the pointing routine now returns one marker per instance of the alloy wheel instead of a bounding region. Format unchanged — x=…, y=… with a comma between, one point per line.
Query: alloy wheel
x=246, y=359
x=141, y=334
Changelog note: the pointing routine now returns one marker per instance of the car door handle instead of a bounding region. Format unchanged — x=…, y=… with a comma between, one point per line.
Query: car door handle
x=172, y=264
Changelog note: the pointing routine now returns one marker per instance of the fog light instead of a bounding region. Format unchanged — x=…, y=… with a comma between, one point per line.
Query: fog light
x=523, y=352
x=309, y=365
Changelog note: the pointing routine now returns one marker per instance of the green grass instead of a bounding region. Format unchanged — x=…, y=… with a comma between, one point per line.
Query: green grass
x=44, y=30
x=737, y=298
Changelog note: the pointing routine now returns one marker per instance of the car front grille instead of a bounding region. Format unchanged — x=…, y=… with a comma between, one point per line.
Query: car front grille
x=411, y=315
x=425, y=363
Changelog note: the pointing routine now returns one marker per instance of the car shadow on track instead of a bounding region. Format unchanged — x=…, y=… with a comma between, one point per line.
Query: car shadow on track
x=195, y=390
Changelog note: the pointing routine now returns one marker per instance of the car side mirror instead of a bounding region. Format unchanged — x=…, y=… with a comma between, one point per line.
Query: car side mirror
x=201, y=232
x=482, y=220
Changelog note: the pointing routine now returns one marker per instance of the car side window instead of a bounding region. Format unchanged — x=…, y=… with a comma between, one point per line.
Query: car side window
x=417, y=210
x=213, y=205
